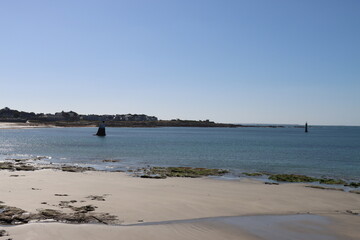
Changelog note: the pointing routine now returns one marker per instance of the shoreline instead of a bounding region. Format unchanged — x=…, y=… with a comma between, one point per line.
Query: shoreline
x=161, y=172
x=181, y=202
x=131, y=124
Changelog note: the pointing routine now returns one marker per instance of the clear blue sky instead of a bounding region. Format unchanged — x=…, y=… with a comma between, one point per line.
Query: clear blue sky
x=279, y=61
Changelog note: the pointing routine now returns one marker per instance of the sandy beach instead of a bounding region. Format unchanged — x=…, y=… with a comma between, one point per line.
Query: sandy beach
x=14, y=125
x=176, y=208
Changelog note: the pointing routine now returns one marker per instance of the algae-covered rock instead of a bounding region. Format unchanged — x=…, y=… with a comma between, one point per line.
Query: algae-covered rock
x=332, y=181
x=256, y=174
x=162, y=172
x=76, y=169
x=292, y=178
x=353, y=184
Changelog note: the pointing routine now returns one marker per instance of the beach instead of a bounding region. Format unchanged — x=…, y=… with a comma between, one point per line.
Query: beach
x=54, y=201
x=176, y=208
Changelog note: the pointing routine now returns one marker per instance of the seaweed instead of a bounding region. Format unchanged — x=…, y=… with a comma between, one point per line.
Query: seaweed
x=292, y=178
x=332, y=181
x=255, y=174
x=163, y=172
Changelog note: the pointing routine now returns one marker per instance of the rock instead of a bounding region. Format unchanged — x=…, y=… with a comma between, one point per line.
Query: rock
x=292, y=178
x=325, y=188
x=3, y=233
x=50, y=213
x=6, y=166
x=12, y=215
x=271, y=183
x=332, y=181
x=97, y=198
x=355, y=191
x=354, y=212
x=153, y=176
x=109, y=160
x=76, y=169
x=23, y=167
x=353, y=184
x=256, y=174
x=84, y=209
x=163, y=172
x=60, y=195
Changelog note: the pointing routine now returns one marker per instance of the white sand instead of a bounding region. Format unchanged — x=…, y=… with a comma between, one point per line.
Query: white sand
x=12, y=125
x=135, y=199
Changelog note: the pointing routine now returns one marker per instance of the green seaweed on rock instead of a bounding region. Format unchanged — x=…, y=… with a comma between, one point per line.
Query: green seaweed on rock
x=292, y=178
x=163, y=172
x=255, y=174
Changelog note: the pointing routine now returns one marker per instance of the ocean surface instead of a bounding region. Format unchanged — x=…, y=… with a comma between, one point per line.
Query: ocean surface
x=324, y=151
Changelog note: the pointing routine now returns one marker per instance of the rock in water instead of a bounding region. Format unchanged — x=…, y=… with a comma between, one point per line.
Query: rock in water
x=101, y=130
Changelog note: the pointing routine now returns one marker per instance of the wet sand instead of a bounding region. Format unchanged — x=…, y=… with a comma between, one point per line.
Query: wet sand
x=166, y=208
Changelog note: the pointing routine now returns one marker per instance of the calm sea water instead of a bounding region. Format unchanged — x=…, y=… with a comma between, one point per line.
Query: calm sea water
x=324, y=151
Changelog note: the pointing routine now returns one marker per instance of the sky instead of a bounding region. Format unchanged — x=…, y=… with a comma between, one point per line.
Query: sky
x=232, y=61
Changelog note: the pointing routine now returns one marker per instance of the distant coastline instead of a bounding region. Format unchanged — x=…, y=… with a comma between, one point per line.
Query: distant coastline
x=73, y=119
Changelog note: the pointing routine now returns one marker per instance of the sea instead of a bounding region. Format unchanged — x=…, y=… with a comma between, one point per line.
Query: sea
x=325, y=151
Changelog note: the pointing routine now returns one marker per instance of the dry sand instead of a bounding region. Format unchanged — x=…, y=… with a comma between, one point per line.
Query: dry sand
x=135, y=200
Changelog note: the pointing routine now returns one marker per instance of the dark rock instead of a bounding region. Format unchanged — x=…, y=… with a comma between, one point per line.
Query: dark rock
x=256, y=174
x=162, y=172
x=6, y=166
x=3, y=233
x=271, y=183
x=332, y=181
x=84, y=209
x=97, y=198
x=23, y=167
x=76, y=169
x=353, y=184
x=325, y=188
x=153, y=176
x=110, y=160
x=13, y=215
x=355, y=191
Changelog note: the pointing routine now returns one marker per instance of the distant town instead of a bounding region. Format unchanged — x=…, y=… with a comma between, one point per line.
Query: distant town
x=15, y=115
x=73, y=119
